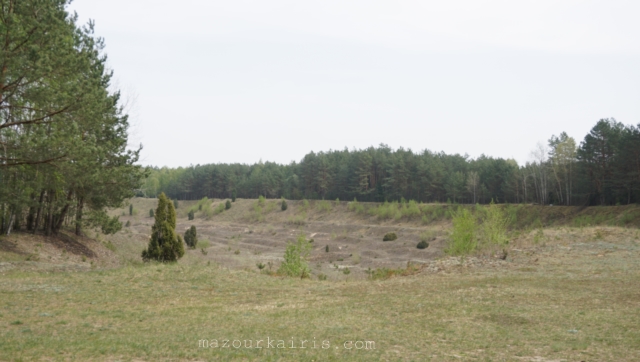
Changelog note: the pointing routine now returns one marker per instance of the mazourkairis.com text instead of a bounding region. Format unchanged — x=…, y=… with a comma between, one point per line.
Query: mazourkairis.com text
x=292, y=343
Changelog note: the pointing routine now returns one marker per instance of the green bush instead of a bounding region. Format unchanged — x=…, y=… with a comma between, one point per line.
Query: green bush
x=463, y=239
x=261, y=201
x=130, y=209
x=355, y=206
x=175, y=204
x=295, y=263
x=389, y=237
x=191, y=237
x=150, y=212
x=164, y=245
x=233, y=196
x=324, y=206
x=283, y=205
x=191, y=215
x=422, y=245
x=111, y=225
x=227, y=205
x=219, y=209
x=305, y=205
x=326, y=249
x=494, y=226
x=128, y=223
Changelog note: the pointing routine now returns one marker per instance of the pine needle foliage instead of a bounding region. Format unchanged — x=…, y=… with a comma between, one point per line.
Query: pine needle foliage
x=165, y=245
x=191, y=237
x=295, y=258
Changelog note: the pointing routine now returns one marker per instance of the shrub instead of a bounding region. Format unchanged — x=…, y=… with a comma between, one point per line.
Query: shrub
x=260, y=266
x=410, y=209
x=324, y=206
x=305, y=205
x=422, y=245
x=283, y=205
x=299, y=220
x=322, y=276
x=326, y=249
x=295, y=263
x=191, y=215
x=227, y=205
x=346, y=271
x=207, y=210
x=128, y=223
x=261, y=200
x=355, y=206
x=164, y=245
x=175, y=204
x=389, y=237
x=494, y=227
x=130, y=209
x=111, y=225
x=463, y=239
x=337, y=201
x=150, y=212
x=191, y=237
x=233, y=196
x=210, y=212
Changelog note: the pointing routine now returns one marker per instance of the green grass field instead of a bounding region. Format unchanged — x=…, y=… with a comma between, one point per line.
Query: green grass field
x=574, y=296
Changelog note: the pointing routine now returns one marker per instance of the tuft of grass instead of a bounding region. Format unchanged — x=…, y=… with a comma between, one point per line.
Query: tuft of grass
x=389, y=237
x=428, y=235
x=323, y=206
x=355, y=206
x=203, y=244
x=299, y=220
x=386, y=273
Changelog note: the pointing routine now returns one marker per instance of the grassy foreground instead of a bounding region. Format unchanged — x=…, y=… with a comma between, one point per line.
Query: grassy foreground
x=574, y=305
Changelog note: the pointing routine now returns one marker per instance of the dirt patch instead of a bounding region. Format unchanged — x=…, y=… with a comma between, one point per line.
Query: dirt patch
x=70, y=244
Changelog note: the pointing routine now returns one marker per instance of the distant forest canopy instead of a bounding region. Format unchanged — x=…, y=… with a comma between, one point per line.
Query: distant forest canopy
x=604, y=169
x=63, y=132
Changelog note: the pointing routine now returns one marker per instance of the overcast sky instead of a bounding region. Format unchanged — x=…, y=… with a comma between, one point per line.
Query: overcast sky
x=244, y=80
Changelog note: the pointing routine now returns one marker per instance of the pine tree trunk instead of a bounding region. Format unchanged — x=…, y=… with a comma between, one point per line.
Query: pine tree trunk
x=38, y=214
x=63, y=213
x=79, y=216
x=12, y=217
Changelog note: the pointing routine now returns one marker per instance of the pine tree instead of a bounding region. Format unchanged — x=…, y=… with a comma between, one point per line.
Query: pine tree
x=165, y=245
x=227, y=205
x=191, y=237
x=130, y=209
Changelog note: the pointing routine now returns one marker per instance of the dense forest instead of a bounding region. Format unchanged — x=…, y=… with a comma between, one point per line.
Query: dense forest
x=63, y=133
x=604, y=169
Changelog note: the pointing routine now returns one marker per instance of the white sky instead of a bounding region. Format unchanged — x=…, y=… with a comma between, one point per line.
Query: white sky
x=244, y=80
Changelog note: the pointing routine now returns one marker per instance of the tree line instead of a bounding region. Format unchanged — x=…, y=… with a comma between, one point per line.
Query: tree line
x=604, y=169
x=63, y=132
